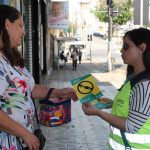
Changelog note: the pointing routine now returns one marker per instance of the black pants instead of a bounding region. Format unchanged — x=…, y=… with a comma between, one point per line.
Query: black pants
x=80, y=59
x=74, y=62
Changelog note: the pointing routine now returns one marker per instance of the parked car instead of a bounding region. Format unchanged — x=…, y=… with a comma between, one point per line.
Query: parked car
x=78, y=37
x=99, y=34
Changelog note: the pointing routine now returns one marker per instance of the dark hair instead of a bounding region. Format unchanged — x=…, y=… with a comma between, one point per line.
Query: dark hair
x=139, y=36
x=75, y=49
x=12, y=54
x=130, y=70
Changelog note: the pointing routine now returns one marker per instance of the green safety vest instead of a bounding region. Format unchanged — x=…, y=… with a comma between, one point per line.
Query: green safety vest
x=139, y=140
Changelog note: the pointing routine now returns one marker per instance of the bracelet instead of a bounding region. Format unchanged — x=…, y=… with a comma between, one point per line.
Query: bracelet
x=49, y=92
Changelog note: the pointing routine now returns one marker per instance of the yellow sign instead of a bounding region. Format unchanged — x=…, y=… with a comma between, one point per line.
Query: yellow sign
x=88, y=91
x=86, y=88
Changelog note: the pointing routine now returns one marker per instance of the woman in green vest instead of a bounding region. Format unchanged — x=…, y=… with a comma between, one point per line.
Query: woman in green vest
x=130, y=117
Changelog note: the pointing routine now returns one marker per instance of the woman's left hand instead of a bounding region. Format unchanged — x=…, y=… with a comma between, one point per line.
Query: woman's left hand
x=68, y=93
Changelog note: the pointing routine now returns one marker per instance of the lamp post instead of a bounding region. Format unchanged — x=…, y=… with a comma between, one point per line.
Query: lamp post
x=109, y=54
x=83, y=6
x=141, y=13
x=89, y=38
x=81, y=3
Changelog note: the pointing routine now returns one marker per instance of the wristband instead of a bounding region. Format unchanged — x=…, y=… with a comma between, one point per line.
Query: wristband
x=49, y=92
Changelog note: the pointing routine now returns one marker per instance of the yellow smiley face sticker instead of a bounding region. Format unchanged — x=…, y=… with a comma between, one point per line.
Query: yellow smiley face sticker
x=85, y=87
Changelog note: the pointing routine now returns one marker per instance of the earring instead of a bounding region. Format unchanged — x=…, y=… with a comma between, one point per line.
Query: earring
x=141, y=52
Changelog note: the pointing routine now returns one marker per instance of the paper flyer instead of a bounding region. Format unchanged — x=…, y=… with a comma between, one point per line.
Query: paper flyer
x=88, y=91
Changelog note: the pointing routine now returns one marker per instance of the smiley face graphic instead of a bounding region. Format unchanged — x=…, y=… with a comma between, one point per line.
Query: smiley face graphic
x=85, y=87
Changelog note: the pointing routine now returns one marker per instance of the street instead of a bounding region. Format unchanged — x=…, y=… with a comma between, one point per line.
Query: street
x=99, y=49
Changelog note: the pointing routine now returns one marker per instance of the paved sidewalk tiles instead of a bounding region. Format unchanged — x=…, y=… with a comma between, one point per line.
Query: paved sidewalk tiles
x=83, y=132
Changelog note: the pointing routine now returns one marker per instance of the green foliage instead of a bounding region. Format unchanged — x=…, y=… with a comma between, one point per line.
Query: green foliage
x=72, y=28
x=69, y=28
x=125, y=15
x=102, y=16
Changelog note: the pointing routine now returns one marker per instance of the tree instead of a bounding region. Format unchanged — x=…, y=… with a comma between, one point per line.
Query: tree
x=126, y=12
x=72, y=28
x=69, y=29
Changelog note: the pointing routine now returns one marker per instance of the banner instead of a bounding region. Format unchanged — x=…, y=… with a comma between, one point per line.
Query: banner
x=58, y=17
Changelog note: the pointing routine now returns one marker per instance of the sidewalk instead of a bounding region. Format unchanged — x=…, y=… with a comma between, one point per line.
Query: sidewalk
x=83, y=132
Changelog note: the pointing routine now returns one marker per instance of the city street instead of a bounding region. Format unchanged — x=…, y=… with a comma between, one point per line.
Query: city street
x=99, y=49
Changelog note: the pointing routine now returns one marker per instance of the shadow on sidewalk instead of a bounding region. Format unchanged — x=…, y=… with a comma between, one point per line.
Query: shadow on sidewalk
x=61, y=78
x=83, y=132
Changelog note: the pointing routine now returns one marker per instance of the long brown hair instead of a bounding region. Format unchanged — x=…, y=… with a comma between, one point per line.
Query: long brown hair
x=12, y=54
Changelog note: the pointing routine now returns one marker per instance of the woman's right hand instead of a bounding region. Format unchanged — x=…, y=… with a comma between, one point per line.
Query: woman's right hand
x=31, y=140
x=89, y=109
x=106, y=100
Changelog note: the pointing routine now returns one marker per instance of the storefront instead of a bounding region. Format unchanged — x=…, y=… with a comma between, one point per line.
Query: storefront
x=34, y=45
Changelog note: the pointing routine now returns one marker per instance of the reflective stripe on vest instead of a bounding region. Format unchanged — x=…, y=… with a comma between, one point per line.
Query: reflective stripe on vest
x=134, y=138
x=117, y=146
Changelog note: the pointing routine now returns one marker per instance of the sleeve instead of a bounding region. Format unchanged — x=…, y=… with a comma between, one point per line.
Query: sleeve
x=32, y=83
x=139, y=107
x=3, y=80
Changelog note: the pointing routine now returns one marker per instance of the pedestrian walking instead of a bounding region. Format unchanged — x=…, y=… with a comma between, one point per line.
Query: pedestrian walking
x=74, y=56
x=80, y=56
x=130, y=117
x=63, y=57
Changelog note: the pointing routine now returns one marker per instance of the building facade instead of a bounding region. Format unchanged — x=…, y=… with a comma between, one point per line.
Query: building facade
x=37, y=44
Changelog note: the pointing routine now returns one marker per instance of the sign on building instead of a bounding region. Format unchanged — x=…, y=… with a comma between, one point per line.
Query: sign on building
x=141, y=12
x=58, y=15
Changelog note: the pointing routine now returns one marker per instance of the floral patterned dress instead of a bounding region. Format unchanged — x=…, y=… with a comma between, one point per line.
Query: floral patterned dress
x=16, y=85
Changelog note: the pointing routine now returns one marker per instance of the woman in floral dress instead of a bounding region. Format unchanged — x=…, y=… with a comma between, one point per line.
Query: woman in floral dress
x=17, y=87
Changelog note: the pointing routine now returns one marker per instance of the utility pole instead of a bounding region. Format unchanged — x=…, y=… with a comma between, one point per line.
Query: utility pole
x=109, y=54
x=81, y=5
x=141, y=14
x=89, y=38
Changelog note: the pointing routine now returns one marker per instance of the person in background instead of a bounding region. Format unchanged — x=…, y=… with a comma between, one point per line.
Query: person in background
x=17, y=87
x=130, y=117
x=74, y=56
x=80, y=56
x=63, y=57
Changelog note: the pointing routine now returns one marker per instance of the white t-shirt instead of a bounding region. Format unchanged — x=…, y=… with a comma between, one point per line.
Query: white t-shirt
x=75, y=55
